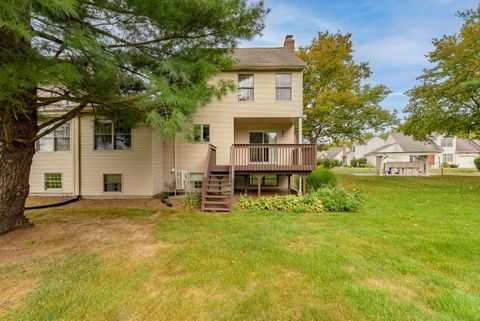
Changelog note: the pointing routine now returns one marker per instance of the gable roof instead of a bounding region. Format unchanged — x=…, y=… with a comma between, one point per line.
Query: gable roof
x=265, y=58
x=466, y=145
x=380, y=149
x=332, y=152
x=410, y=145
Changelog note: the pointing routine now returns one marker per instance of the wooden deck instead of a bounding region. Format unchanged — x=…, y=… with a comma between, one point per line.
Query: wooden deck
x=257, y=159
x=279, y=158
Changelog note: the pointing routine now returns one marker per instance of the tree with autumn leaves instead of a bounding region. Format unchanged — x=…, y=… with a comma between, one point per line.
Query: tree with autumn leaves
x=338, y=103
x=447, y=100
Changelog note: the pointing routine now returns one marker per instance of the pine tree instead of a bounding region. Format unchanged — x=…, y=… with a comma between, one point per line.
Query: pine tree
x=142, y=61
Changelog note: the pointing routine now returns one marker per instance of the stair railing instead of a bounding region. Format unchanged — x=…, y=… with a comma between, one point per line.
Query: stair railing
x=210, y=161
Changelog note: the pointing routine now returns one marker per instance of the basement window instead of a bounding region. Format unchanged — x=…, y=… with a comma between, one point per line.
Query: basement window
x=53, y=181
x=112, y=182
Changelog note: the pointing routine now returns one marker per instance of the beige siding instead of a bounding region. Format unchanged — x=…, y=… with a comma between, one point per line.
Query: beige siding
x=157, y=163
x=221, y=115
x=135, y=165
x=168, y=165
x=53, y=162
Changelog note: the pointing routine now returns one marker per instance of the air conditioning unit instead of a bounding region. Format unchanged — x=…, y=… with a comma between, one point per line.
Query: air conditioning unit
x=182, y=180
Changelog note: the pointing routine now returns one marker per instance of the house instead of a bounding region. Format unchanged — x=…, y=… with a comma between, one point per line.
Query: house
x=336, y=153
x=402, y=154
x=457, y=151
x=247, y=140
x=360, y=150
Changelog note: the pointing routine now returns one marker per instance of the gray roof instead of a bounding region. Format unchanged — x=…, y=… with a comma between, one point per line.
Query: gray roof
x=410, y=145
x=332, y=152
x=378, y=150
x=465, y=146
x=266, y=58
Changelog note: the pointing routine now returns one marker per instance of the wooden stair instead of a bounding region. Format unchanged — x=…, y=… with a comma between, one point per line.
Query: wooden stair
x=217, y=188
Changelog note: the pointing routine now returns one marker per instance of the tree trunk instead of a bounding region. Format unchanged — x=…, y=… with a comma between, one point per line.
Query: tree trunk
x=15, y=163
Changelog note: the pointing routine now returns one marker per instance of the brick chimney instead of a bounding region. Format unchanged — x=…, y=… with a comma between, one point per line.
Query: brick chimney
x=289, y=43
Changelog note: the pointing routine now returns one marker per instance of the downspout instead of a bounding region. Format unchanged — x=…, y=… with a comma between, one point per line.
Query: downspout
x=79, y=157
x=175, y=164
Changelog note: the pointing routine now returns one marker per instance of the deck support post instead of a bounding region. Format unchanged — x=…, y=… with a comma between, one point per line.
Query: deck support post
x=289, y=176
x=246, y=185
x=259, y=182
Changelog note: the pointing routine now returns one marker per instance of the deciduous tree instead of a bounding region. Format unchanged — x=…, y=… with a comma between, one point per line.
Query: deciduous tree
x=338, y=103
x=447, y=101
x=145, y=61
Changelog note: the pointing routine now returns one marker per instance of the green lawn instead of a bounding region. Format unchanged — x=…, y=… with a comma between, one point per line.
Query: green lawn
x=433, y=171
x=411, y=253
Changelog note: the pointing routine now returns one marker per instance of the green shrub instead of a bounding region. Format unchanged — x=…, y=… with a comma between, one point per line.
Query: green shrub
x=453, y=165
x=192, y=200
x=362, y=162
x=338, y=199
x=321, y=177
x=282, y=203
x=337, y=163
x=446, y=165
x=477, y=162
x=353, y=163
x=328, y=163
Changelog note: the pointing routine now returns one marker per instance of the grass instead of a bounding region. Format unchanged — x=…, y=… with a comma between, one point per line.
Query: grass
x=411, y=253
x=433, y=171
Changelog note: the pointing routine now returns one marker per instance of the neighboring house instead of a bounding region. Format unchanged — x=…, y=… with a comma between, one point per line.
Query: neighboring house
x=461, y=152
x=400, y=149
x=246, y=140
x=360, y=150
x=336, y=153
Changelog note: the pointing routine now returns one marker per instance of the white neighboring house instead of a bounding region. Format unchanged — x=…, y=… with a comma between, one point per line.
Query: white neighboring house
x=400, y=148
x=336, y=153
x=360, y=150
x=461, y=152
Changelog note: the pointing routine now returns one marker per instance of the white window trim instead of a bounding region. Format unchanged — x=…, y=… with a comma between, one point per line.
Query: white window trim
x=291, y=88
x=253, y=88
x=45, y=182
x=113, y=137
x=37, y=143
x=201, y=134
x=113, y=192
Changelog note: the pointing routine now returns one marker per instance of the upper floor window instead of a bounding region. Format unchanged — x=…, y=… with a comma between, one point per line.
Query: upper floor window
x=448, y=142
x=58, y=140
x=201, y=133
x=283, y=85
x=245, y=87
x=111, y=135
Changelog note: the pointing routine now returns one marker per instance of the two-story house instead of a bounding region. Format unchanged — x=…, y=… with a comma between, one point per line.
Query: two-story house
x=457, y=151
x=248, y=139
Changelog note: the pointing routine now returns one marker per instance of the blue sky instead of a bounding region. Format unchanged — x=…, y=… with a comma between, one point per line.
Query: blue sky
x=392, y=35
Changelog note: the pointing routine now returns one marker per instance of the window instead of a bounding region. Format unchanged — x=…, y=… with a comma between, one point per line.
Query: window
x=413, y=159
x=53, y=181
x=448, y=142
x=245, y=87
x=283, y=87
x=201, y=133
x=267, y=180
x=448, y=158
x=58, y=140
x=111, y=135
x=196, y=179
x=112, y=182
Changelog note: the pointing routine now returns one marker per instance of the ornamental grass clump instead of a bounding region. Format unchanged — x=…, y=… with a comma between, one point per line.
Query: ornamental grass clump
x=320, y=178
x=192, y=200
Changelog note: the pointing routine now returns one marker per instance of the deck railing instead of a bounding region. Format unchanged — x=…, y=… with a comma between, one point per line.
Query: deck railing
x=274, y=157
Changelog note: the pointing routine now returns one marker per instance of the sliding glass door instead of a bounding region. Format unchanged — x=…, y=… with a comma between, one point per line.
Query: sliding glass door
x=263, y=154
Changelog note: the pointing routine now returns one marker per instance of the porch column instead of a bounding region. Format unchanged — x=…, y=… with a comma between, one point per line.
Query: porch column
x=300, y=140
